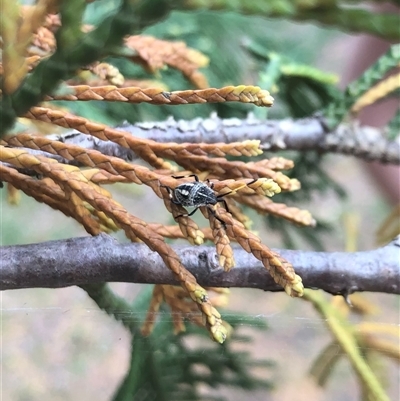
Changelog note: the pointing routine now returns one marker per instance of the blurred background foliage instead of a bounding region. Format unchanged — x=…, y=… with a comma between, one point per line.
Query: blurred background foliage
x=243, y=49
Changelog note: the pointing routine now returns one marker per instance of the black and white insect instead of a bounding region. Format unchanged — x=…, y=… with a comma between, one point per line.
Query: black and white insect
x=196, y=194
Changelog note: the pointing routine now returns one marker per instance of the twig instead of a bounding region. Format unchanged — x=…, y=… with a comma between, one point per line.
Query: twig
x=365, y=142
x=89, y=260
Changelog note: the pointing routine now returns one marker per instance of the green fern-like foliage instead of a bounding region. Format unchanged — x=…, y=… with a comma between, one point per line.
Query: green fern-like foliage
x=337, y=110
x=167, y=367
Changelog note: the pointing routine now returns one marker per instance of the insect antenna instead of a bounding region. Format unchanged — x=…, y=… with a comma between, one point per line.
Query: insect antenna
x=186, y=176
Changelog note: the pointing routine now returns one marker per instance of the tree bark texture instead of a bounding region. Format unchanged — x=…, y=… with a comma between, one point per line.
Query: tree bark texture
x=88, y=260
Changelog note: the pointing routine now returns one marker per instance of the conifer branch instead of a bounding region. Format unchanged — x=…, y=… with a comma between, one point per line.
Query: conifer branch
x=157, y=96
x=351, y=138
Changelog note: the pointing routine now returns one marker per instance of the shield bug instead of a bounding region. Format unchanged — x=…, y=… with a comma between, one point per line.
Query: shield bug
x=196, y=194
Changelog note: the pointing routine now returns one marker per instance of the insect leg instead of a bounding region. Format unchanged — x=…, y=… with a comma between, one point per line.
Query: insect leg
x=219, y=199
x=188, y=214
x=225, y=204
x=212, y=211
x=169, y=190
x=193, y=211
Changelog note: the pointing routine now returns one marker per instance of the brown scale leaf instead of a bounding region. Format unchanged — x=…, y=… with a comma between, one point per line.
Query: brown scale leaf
x=154, y=54
x=274, y=163
x=111, y=93
x=107, y=72
x=221, y=240
x=70, y=178
x=101, y=131
x=44, y=38
x=82, y=213
x=174, y=152
x=176, y=233
x=261, y=186
x=267, y=206
x=182, y=309
x=280, y=269
x=215, y=293
x=98, y=176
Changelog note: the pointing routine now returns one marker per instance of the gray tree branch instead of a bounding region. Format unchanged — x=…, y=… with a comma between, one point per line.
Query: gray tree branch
x=89, y=260
x=351, y=138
